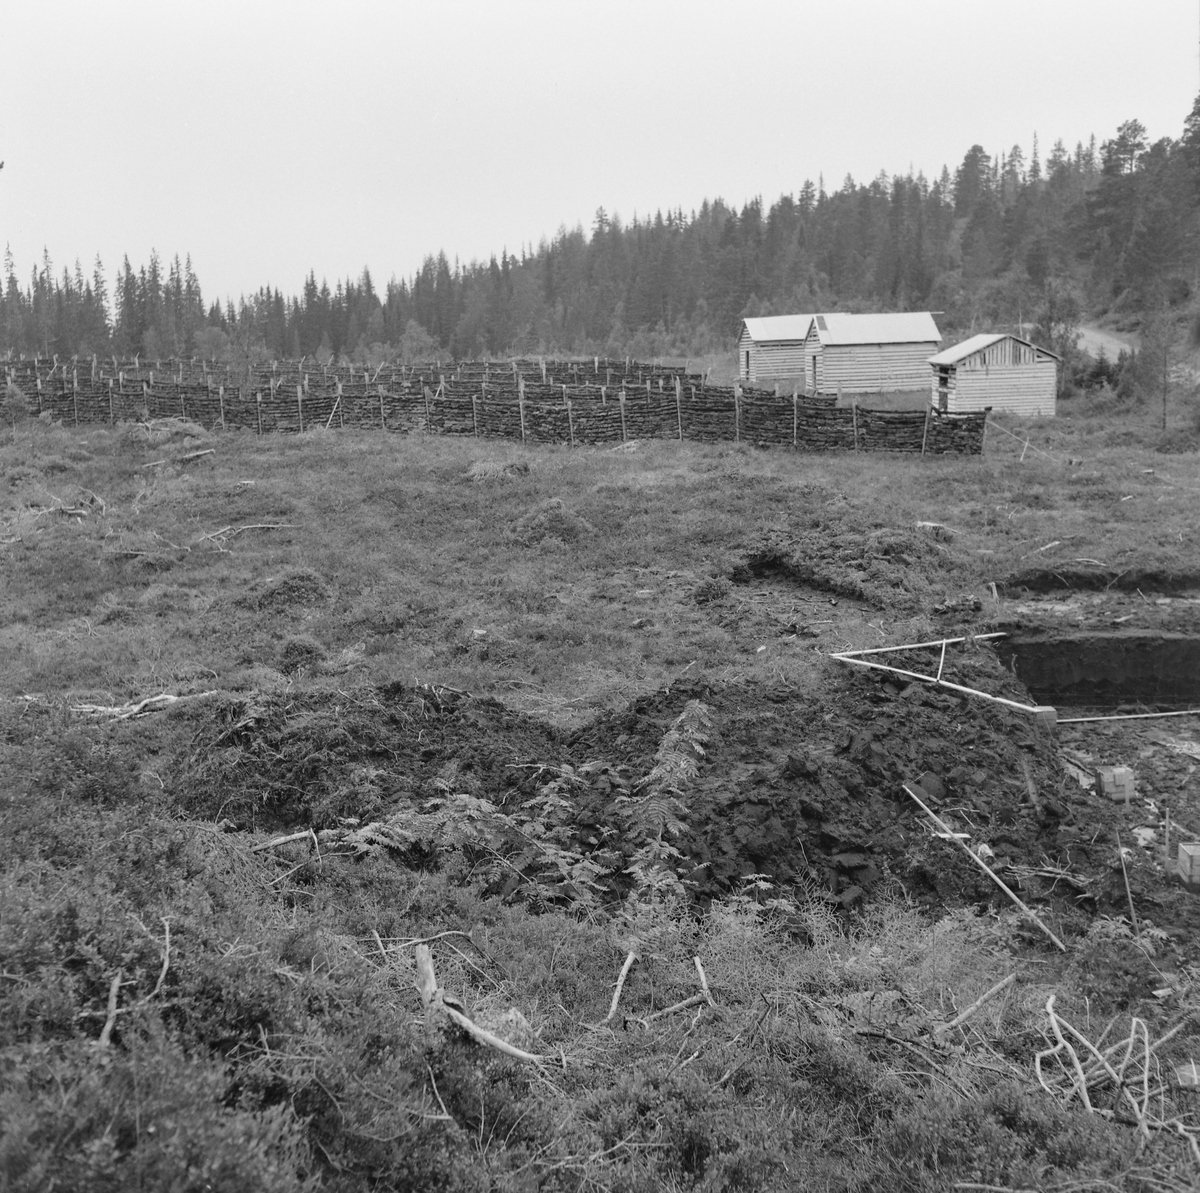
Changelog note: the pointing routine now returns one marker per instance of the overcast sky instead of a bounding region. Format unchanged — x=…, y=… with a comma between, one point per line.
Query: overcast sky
x=268, y=139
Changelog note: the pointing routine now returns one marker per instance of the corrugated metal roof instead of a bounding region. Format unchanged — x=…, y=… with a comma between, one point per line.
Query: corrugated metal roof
x=985, y=339
x=910, y=327
x=774, y=329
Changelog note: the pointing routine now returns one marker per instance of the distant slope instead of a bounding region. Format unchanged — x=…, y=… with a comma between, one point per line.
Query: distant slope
x=1095, y=340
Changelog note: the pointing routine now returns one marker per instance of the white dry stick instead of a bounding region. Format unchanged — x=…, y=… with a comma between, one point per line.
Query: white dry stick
x=162, y=974
x=616, y=998
x=950, y=836
x=492, y=1041
x=963, y=1016
x=124, y=712
x=1137, y=932
x=114, y=990
x=694, y=1001
x=304, y=836
x=703, y=981
x=1117, y=1077
x=434, y=1001
x=1080, y=1079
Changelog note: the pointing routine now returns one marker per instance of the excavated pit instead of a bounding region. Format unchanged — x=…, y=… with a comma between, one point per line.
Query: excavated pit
x=1104, y=670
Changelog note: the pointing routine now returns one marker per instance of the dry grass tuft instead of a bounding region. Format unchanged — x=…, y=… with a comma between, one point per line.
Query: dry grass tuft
x=496, y=470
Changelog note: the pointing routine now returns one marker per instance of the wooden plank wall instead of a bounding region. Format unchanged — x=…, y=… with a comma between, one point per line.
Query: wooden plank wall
x=1027, y=389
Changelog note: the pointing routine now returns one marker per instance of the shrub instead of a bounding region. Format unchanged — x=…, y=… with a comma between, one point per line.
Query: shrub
x=16, y=407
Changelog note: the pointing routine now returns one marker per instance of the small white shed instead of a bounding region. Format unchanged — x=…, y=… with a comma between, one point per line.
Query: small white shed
x=772, y=346
x=862, y=354
x=998, y=370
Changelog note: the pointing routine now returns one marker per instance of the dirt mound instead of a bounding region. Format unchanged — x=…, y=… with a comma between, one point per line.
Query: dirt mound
x=287, y=760
x=886, y=567
x=156, y=432
x=495, y=470
x=550, y=520
x=805, y=790
x=297, y=588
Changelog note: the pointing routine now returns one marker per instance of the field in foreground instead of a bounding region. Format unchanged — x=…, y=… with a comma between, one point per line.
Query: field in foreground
x=539, y=712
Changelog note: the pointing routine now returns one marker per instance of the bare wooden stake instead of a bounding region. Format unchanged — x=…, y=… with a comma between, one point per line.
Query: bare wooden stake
x=616, y=998
x=1128, y=893
x=981, y=864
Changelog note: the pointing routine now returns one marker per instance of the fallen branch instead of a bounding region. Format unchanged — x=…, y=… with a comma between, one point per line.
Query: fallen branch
x=306, y=835
x=966, y=1014
x=208, y=451
x=124, y=712
x=703, y=981
x=745, y=1057
x=114, y=990
x=694, y=1001
x=166, y=964
x=982, y=865
x=434, y=999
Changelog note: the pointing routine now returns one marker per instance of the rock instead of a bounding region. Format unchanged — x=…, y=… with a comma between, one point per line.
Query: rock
x=850, y=860
x=932, y=785
x=800, y=766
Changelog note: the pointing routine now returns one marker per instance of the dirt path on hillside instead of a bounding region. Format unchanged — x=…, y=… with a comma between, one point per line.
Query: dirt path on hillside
x=1095, y=340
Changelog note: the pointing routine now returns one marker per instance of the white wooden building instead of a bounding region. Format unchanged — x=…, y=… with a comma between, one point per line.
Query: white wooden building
x=772, y=347
x=862, y=354
x=998, y=370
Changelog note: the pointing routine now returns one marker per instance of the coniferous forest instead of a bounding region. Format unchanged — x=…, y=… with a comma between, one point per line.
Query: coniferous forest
x=1021, y=237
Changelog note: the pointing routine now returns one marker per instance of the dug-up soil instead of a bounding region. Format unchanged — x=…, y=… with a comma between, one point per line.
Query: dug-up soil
x=806, y=789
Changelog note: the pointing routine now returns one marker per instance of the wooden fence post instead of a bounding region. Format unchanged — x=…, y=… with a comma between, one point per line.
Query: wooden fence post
x=110, y=401
x=258, y=408
x=300, y=406
x=624, y=436
x=75, y=399
x=521, y=404
x=475, y=416
x=925, y=433
x=854, y=417
x=737, y=414
x=679, y=408
x=382, y=415
x=570, y=422
x=221, y=399
x=795, y=418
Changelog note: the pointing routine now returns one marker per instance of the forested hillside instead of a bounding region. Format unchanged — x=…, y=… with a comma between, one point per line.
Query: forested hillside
x=1018, y=237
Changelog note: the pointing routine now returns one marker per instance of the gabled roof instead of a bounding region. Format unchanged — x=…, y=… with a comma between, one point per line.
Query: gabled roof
x=910, y=327
x=775, y=329
x=977, y=343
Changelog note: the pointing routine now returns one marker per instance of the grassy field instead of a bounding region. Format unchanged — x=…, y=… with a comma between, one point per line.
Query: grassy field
x=502, y=701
